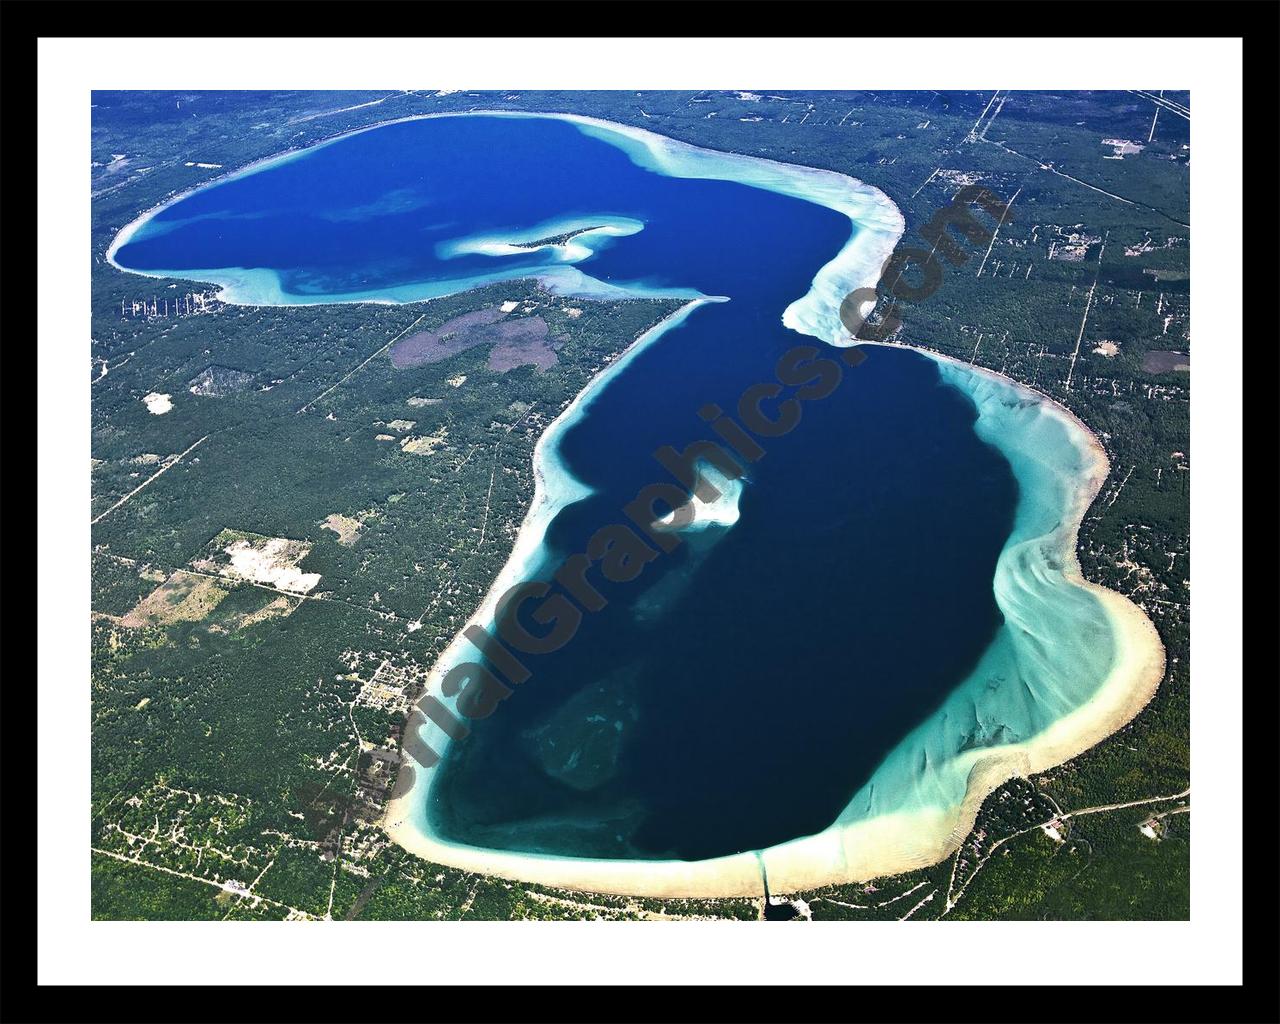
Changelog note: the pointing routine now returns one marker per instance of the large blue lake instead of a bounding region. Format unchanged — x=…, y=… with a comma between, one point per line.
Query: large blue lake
x=745, y=687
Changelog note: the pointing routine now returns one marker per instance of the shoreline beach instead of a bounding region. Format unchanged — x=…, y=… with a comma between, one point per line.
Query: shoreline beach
x=848, y=850
x=888, y=844
x=877, y=226
x=893, y=843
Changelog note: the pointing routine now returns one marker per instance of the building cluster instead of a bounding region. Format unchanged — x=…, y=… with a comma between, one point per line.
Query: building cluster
x=169, y=306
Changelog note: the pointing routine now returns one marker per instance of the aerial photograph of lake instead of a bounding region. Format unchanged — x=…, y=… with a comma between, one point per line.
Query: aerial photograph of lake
x=863, y=613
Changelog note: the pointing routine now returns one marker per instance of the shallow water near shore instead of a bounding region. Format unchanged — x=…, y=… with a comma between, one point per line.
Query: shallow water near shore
x=885, y=598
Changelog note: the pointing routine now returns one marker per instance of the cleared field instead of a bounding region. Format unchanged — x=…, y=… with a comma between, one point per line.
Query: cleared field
x=183, y=597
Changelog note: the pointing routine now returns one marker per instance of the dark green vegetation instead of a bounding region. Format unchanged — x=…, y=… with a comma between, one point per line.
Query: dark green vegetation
x=1104, y=868
x=131, y=892
x=245, y=733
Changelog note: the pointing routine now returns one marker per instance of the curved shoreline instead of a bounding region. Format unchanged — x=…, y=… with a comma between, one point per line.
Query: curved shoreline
x=878, y=224
x=883, y=844
x=849, y=850
x=886, y=844
x=893, y=843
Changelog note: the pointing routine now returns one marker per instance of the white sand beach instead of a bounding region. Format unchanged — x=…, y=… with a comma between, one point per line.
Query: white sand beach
x=874, y=837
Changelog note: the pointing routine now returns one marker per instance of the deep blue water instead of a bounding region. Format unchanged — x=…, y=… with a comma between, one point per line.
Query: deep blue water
x=746, y=686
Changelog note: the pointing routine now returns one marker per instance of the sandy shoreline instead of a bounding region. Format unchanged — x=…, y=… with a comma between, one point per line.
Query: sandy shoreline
x=553, y=490
x=890, y=843
x=894, y=843
x=816, y=314
x=851, y=851
x=879, y=224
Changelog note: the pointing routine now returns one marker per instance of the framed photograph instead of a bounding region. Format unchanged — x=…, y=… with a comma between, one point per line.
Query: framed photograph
x=668, y=484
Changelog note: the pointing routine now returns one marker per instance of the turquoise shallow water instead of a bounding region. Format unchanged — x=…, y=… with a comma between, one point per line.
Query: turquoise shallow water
x=879, y=596
x=1055, y=644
